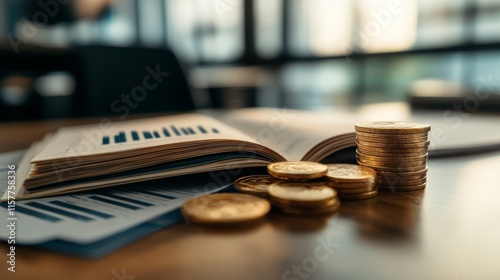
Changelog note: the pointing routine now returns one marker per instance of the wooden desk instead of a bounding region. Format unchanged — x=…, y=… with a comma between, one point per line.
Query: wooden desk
x=451, y=230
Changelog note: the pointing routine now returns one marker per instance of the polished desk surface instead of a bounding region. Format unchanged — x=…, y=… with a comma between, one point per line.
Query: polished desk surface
x=450, y=230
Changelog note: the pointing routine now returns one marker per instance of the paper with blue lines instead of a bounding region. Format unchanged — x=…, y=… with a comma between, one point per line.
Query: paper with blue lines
x=88, y=217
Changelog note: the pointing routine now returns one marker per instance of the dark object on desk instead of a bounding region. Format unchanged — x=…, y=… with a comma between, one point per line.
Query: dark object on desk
x=122, y=81
x=443, y=95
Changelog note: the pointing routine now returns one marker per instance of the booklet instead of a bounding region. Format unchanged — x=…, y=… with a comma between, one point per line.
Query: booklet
x=109, y=154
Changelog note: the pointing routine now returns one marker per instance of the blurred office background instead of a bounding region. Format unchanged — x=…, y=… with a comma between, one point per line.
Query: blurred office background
x=67, y=58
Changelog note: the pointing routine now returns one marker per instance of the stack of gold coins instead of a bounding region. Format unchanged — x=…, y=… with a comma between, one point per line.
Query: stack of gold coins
x=352, y=182
x=303, y=198
x=397, y=151
x=295, y=193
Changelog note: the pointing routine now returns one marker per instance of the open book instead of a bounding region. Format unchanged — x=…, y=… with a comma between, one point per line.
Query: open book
x=110, y=154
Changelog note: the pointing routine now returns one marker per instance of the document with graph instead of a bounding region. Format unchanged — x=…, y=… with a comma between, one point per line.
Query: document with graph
x=115, y=153
x=92, y=224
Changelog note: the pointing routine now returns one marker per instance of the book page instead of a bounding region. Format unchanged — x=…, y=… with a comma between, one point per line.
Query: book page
x=139, y=150
x=291, y=133
x=118, y=137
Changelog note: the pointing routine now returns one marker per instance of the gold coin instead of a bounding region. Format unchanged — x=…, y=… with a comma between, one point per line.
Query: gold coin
x=390, y=140
x=394, y=145
x=392, y=127
x=401, y=182
x=391, y=151
x=223, y=208
x=297, y=170
x=326, y=203
x=301, y=193
x=355, y=190
x=403, y=176
x=254, y=184
x=392, y=136
x=390, y=154
x=340, y=172
x=388, y=163
x=366, y=195
x=395, y=157
x=332, y=206
x=395, y=169
x=354, y=185
x=403, y=188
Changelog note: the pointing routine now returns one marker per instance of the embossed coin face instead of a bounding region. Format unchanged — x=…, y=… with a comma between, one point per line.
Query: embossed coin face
x=341, y=172
x=392, y=127
x=301, y=193
x=297, y=170
x=223, y=208
x=254, y=184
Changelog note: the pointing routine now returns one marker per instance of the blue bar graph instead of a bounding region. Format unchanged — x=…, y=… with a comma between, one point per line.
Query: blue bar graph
x=135, y=201
x=81, y=209
x=175, y=130
x=59, y=211
x=34, y=213
x=202, y=130
x=157, y=194
x=120, y=138
x=165, y=132
x=135, y=135
x=109, y=201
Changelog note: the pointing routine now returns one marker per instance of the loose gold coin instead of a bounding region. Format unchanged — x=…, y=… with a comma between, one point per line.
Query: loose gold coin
x=395, y=169
x=393, y=163
x=390, y=140
x=394, y=145
x=301, y=193
x=392, y=127
x=254, y=184
x=224, y=208
x=311, y=210
x=403, y=188
x=398, y=158
x=392, y=136
x=367, y=195
x=340, y=172
x=297, y=170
